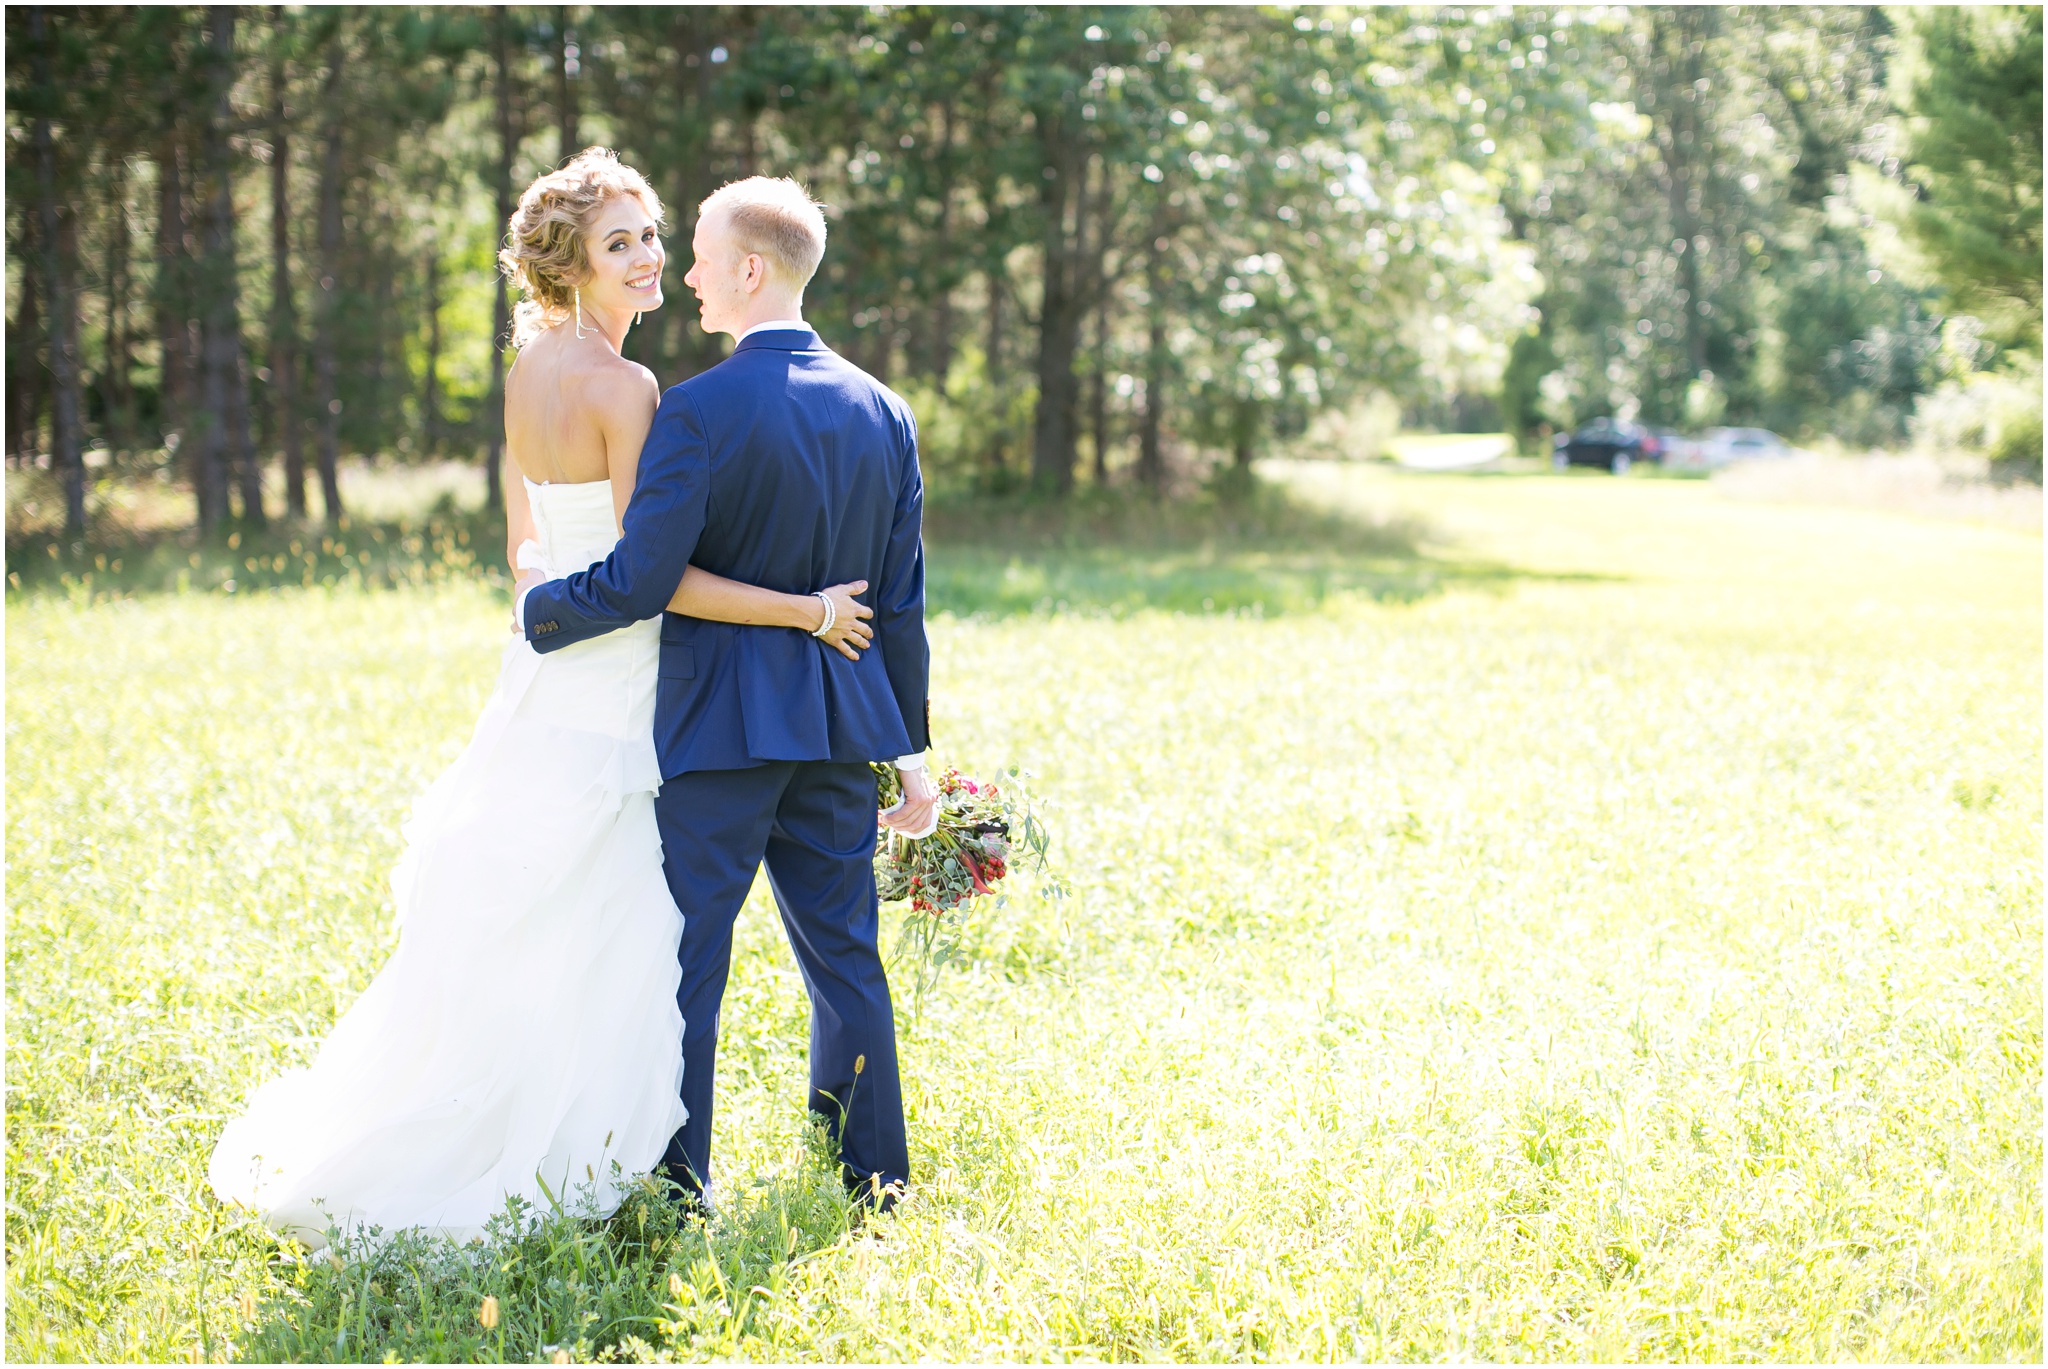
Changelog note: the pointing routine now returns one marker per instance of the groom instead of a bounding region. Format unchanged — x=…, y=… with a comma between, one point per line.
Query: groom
x=786, y=467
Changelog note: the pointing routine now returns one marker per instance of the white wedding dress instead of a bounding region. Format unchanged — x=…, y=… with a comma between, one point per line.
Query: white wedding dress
x=524, y=1035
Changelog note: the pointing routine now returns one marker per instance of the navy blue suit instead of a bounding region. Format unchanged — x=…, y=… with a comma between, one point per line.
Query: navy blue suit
x=786, y=467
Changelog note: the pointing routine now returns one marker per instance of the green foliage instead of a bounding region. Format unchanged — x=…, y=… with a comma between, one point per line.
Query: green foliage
x=1615, y=967
x=1968, y=84
x=1967, y=210
x=2010, y=405
x=1683, y=185
x=2015, y=451
x=974, y=433
x=1994, y=412
x=1061, y=229
x=1530, y=359
x=558, y=1285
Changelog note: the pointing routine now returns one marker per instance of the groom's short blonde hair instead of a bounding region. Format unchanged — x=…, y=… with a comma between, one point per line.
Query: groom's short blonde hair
x=776, y=217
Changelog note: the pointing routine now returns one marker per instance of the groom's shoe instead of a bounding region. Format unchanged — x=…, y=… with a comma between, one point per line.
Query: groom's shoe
x=872, y=1197
x=693, y=1209
x=692, y=1204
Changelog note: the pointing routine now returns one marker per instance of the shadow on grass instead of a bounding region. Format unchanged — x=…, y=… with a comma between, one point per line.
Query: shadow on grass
x=639, y=1284
x=1264, y=552
x=441, y=543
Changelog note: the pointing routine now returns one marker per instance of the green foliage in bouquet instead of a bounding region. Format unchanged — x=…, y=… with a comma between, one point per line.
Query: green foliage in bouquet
x=984, y=826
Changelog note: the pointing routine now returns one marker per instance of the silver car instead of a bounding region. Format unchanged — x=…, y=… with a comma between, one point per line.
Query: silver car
x=1721, y=446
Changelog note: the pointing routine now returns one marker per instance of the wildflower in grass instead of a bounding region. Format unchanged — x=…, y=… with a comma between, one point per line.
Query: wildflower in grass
x=488, y=1313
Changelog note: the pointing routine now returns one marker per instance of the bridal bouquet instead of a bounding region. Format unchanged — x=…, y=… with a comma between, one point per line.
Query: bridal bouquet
x=984, y=827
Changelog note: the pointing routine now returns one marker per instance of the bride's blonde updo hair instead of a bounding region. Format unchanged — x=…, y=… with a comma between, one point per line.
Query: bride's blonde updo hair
x=543, y=253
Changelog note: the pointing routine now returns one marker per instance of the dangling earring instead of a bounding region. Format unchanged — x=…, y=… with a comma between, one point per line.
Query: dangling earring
x=636, y=316
x=579, y=313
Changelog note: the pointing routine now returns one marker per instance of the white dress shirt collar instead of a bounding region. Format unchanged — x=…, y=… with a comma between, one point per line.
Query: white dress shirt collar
x=773, y=325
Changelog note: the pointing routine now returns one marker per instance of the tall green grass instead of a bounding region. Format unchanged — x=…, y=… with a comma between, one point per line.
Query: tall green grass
x=1632, y=951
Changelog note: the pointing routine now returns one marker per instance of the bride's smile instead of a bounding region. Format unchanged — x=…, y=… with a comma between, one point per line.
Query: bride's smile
x=625, y=255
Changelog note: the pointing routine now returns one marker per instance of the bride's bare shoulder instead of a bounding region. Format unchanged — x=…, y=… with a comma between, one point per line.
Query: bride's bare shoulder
x=611, y=379
x=537, y=362
x=580, y=381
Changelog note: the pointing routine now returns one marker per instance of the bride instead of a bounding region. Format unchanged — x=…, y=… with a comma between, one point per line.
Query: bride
x=524, y=1040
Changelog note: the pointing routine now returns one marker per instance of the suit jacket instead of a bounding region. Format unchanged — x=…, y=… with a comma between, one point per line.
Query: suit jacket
x=788, y=467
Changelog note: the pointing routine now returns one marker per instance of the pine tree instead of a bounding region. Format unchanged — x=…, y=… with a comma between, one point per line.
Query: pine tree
x=1968, y=82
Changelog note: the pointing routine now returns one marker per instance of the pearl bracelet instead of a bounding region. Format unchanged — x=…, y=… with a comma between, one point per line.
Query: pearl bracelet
x=831, y=613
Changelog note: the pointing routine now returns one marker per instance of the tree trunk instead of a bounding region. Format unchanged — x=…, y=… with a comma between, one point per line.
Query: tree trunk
x=997, y=454
x=1098, y=391
x=992, y=348
x=117, y=380
x=284, y=328
x=881, y=348
x=1151, y=460
x=24, y=369
x=749, y=157
x=1678, y=38
x=1053, y=436
x=696, y=173
x=66, y=436
x=173, y=299
x=989, y=188
x=1063, y=192
x=430, y=401
x=382, y=326
x=501, y=310
x=745, y=25
x=938, y=359
x=325, y=363
x=568, y=64
x=224, y=446
x=1246, y=418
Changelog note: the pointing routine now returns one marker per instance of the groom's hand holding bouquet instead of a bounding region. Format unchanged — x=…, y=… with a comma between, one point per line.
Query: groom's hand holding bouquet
x=916, y=813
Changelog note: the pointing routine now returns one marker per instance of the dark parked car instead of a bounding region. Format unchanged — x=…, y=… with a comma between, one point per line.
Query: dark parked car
x=1613, y=443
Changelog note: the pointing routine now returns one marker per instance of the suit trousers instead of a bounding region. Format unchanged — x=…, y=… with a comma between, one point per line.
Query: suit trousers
x=813, y=822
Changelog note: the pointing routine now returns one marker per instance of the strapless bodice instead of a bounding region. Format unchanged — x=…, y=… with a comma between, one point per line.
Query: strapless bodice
x=574, y=525
x=603, y=685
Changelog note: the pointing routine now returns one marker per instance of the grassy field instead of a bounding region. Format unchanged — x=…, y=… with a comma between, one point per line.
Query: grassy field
x=1511, y=918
